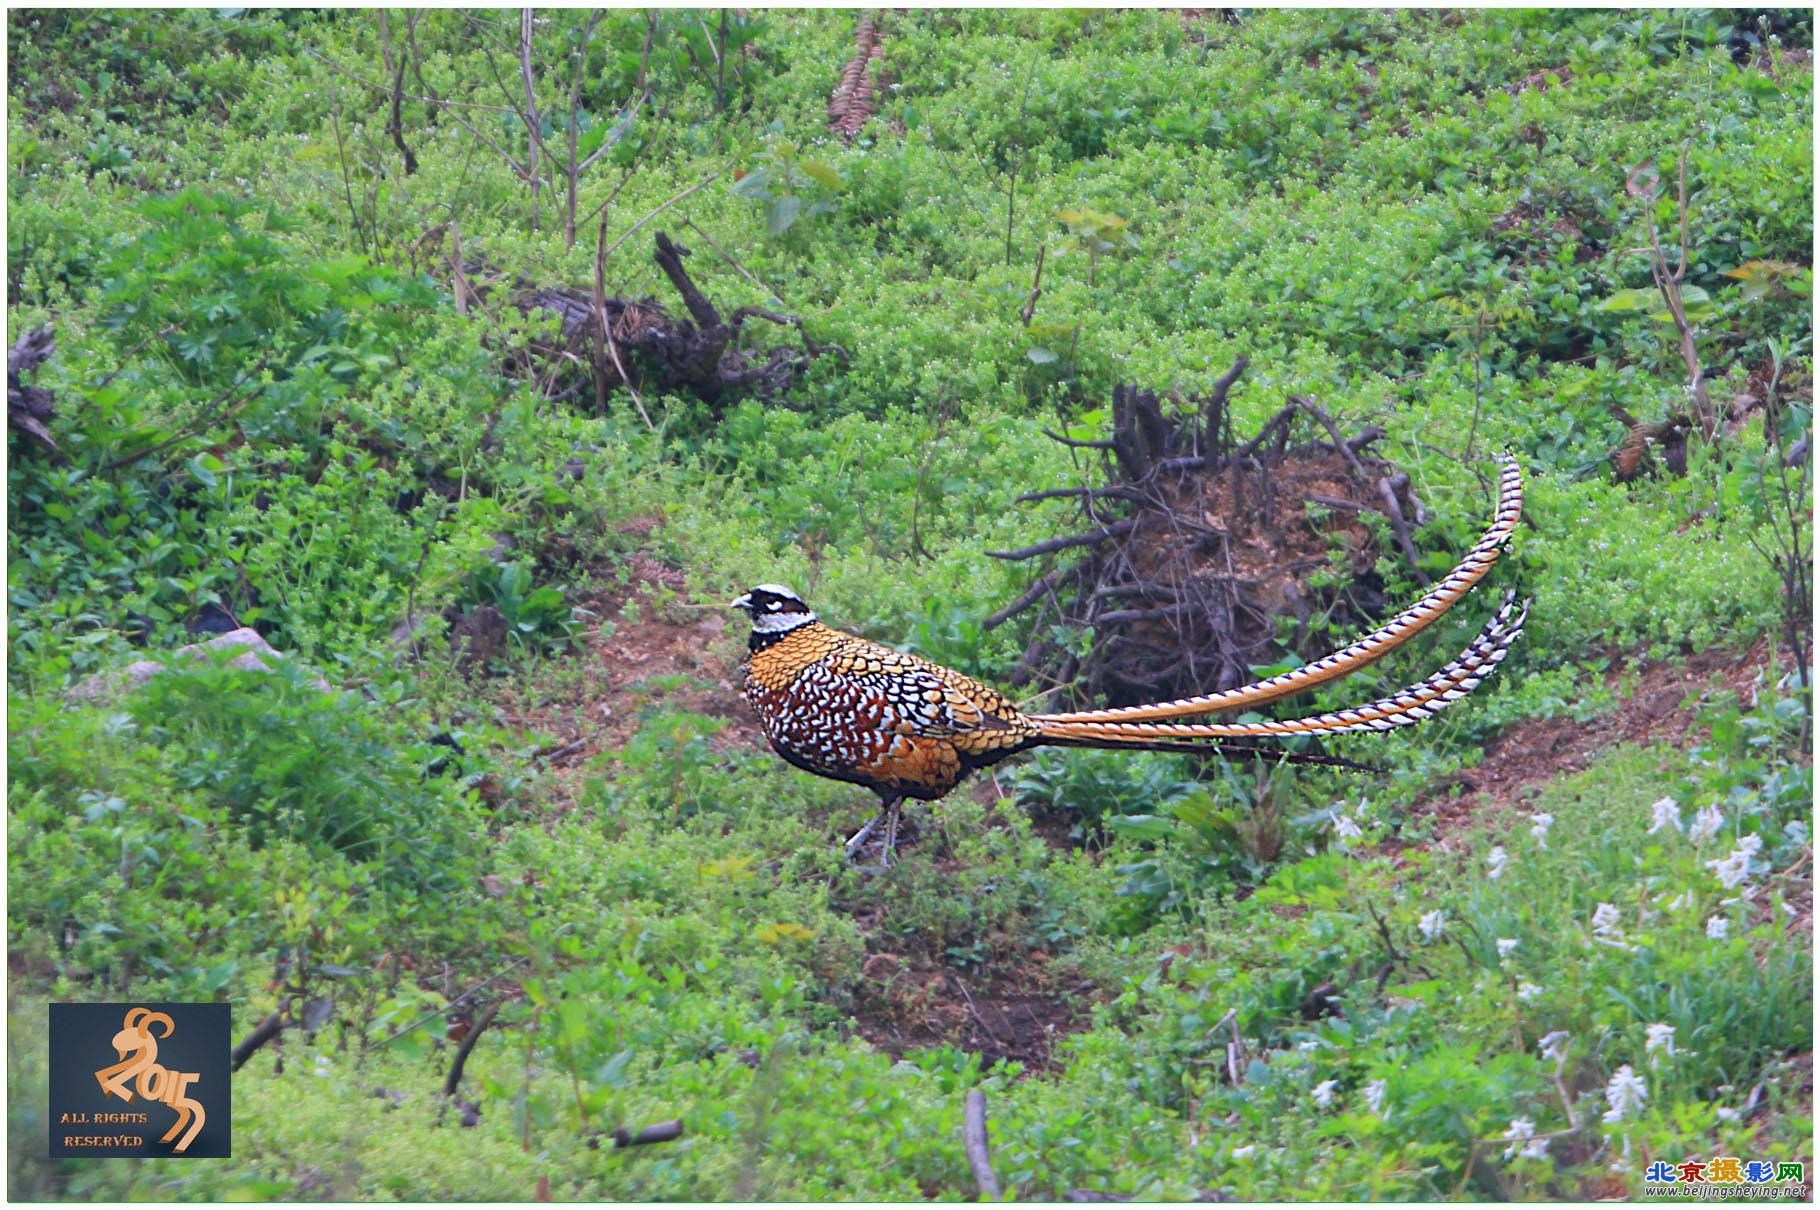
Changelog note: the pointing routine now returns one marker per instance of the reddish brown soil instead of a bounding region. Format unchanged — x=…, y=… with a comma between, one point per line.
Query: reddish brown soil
x=669, y=657
x=1016, y=1008
x=1662, y=707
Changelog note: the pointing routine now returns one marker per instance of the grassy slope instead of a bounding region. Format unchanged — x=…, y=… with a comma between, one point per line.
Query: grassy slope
x=1326, y=193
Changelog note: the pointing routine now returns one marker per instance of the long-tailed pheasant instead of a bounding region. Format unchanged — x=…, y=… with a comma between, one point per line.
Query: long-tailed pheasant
x=847, y=708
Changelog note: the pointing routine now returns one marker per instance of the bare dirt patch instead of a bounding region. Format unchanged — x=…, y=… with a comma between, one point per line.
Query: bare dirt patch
x=1663, y=706
x=908, y=999
x=639, y=656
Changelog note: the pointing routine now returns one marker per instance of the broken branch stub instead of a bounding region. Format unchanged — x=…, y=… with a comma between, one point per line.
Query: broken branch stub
x=1198, y=545
x=700, y=351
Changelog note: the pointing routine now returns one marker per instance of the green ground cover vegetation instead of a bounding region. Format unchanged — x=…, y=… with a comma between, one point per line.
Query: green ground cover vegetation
x=271, y=397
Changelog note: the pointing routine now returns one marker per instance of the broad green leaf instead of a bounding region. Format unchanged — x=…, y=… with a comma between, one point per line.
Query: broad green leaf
x=783, y=213
x=822, y=174
x=1631, y=300
x=753, y=184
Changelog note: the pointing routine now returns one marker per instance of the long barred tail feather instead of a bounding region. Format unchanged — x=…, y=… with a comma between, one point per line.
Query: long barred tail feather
x=1420, y=701
x=1225, y=751
x=1387, y=638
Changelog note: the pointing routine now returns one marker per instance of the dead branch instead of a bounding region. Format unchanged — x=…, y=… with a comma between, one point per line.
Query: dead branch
x=217, y=410
x=1074, y=444
x=266, y=1030
x=527, y=24
x=606, y=331
x=573, y=168
x=1036, y=287
x=1031, y=595
x=657, y=1132
x=1310, y=408
x=1084, y=493
x=973, y=1139
x=735, y=265
x=395, y=122
x=466, y=1047
x=29, y=408
x=1052, y=545
x=457, y=1002
x=1668, y=285
x=1400, y=527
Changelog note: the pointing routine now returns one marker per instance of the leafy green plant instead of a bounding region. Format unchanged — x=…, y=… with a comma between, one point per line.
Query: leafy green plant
x=539, y=615
x=791, y=186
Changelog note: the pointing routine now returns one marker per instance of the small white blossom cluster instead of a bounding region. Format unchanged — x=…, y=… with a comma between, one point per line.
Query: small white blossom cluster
x=1664, y=813
x=1432, y=925
x=1374, y=1096
x=1707, y=822
x=1505, y=947
x=1554, y=1045
x=1323, y=1092
x=1523, y=1141
x=1659, y=1037
x=1732, y=869
x=1718, y=928
x=1539, y=823
x=1496, y=860
x=1346, y=828
x=1625, y=1094
x=1605, y=928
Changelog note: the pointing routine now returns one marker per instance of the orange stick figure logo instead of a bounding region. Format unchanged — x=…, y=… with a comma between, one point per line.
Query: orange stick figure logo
x=137, y=1048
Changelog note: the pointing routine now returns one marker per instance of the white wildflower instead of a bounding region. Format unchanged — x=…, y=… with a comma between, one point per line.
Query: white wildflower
x=1521, y=1131
x=1554, y=1045
x=1664, y=813
x=1625, y=1094
x=1497, y=859
x=1346, y=829
x=1323, y=1092
x=1729, y=1115
x=1707, y=822
x=1535, y=1149
x=1659, y=1037
x=1431, y=925
x=1718, y=928
x=1243, y=1153
x=1505, y=946
x=1681, y=902
x=1732, y=869
x=1374, y=1096
x=1605, y=919
x=1539, y=823
x=1750, y=844
x=1527, y=991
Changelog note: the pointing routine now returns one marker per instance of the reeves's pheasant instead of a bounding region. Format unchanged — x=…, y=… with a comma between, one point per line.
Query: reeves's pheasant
x=847, y=708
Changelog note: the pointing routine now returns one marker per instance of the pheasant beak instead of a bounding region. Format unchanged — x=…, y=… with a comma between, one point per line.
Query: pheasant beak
x=744, y=601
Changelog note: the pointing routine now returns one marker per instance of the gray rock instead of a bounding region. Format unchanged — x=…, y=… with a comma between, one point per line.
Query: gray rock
x=255, y=655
